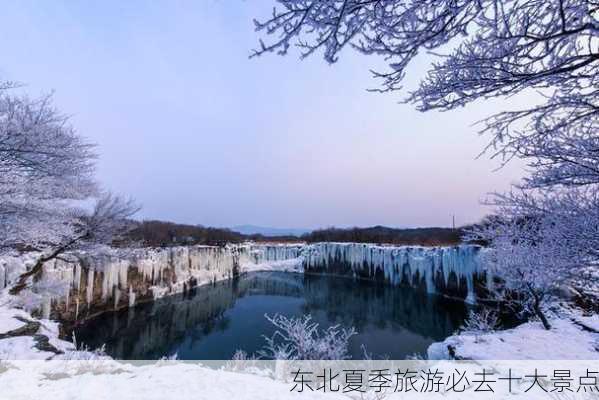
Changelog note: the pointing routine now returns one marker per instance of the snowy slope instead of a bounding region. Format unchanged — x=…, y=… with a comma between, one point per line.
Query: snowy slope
x=530, y=341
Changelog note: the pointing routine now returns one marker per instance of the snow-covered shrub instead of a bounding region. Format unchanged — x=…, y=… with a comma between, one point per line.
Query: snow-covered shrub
x=244, y=362
x=82, y=360
x=481, y=321
x=241, y=355
x=301, y=339
x=84, y=353
x=172, y=357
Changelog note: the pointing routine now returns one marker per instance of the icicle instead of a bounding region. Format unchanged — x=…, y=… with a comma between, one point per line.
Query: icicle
x=117, y=297
x=77, y=277
x=131, y=297
x=68, y=296
x=2, y=277
x=90, y=285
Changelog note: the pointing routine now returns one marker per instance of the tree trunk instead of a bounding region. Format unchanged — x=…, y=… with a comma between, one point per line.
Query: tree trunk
x=39, y=265
x=22, y=282
x=537, y=309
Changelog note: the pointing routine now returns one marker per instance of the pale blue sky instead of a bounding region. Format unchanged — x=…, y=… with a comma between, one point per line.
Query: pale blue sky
x=197, y=133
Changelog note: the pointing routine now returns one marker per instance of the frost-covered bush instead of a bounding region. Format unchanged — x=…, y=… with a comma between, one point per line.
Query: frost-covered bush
x=241, y=355
x=86, y=354
x=84, y=361
x=302, y=339
x=481, y=321
x=247, y=363
x=82, y=352
x=172, y=357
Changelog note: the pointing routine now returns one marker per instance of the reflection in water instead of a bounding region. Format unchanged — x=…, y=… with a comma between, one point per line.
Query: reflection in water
x=212, y=322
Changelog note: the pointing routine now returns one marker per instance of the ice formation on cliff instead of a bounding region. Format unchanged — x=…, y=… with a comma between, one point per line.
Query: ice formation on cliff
x=114, y=278
x=395, y=262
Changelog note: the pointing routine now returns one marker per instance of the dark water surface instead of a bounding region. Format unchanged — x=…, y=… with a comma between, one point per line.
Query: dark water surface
x=214, y=321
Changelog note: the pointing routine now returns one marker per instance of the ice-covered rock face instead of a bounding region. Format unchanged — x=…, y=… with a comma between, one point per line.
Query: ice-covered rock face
x=121, y=278
x=445, y=270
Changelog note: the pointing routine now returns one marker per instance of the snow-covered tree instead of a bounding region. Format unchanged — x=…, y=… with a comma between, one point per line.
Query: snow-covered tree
x=542, y=242
x=493, y=49
x=46, y=179
x=44, y=167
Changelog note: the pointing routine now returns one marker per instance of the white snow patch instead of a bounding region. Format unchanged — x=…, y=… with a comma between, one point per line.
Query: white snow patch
x=8, y=322
x=529, y=341
x=21, y=348
x=588, y=321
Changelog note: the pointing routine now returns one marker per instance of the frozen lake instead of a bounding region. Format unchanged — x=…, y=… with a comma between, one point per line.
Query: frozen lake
x=214, y=321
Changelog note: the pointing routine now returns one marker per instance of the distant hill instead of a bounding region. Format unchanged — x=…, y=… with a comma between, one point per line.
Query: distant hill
x=270, y=232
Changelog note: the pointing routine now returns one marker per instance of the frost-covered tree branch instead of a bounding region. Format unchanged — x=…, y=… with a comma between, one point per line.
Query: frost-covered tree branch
x=107, y=222
x=492, y=49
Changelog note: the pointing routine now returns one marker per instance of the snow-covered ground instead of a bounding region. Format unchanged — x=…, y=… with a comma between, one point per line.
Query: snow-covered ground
x=23, y=337
x=591, y=322
x=566, y=340
x=8, y=319
x=165, y=380
x=111, y=381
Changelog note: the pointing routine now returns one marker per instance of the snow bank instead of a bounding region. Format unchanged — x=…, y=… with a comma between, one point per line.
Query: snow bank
x=530, y=341
x=170, y=381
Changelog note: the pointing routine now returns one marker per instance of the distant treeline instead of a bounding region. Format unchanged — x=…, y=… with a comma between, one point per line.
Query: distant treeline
x=162, y=234
x=385, y=235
